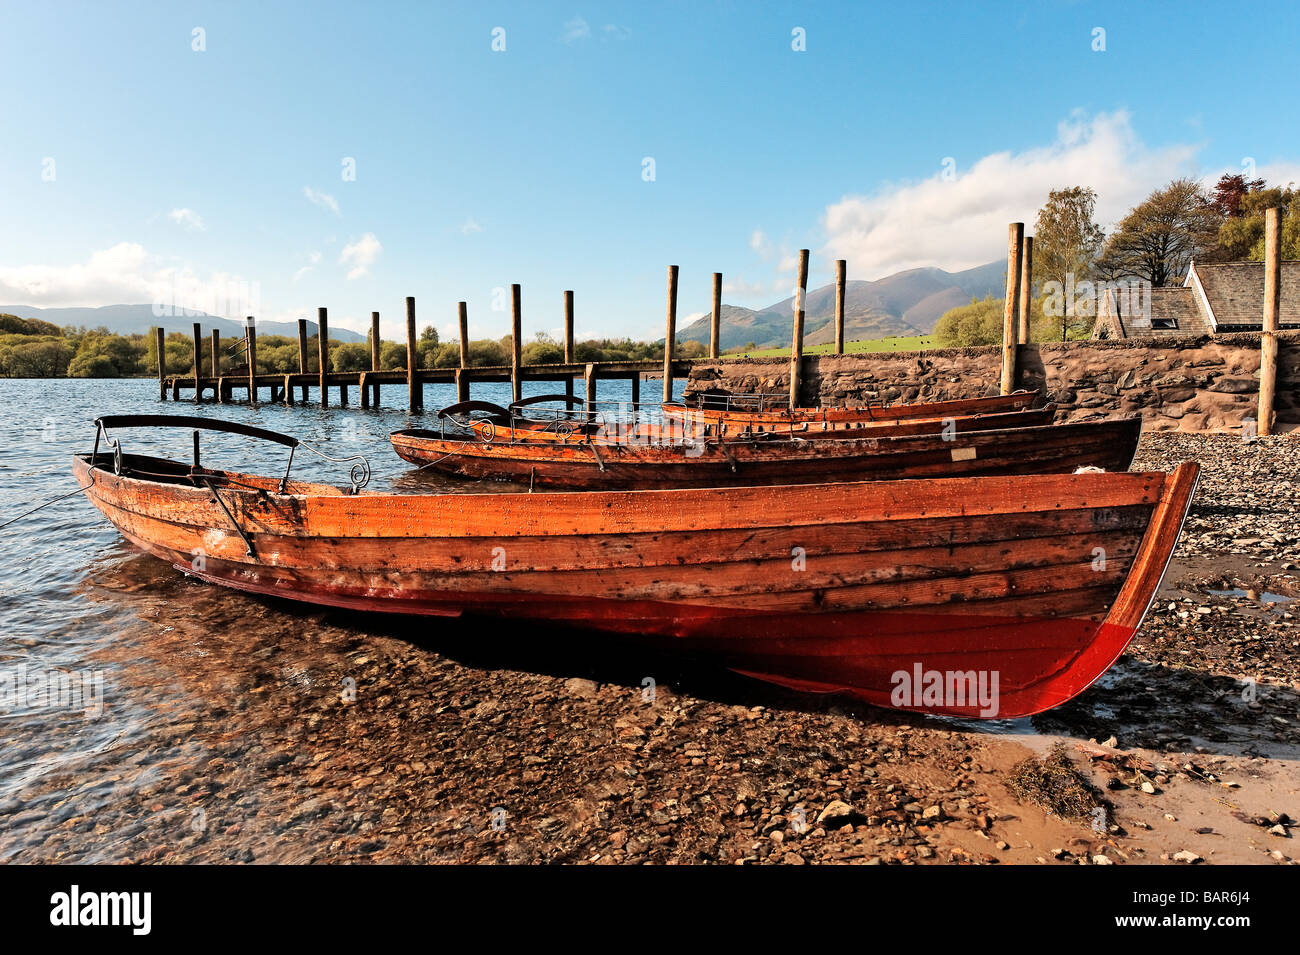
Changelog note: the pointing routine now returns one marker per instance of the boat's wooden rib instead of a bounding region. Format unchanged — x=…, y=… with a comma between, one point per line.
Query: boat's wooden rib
x=836, y=586
x=619, y=461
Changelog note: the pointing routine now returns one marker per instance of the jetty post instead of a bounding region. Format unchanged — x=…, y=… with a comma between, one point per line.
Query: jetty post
x=670, y=333
x=1268, y=334
x=250, y=326
x=414, y=387
x=796, y=347
x=568, y=340
x=841, y=286
x=160, y=343
x=462, y=378
x=302, y=355
x=216, y=353
x=198, y=359
x=374, y=365
x=1015, y=235
x=589, y=378
x=715, y=323
x=323, y=352
x=1026, y=287
x=516, y=343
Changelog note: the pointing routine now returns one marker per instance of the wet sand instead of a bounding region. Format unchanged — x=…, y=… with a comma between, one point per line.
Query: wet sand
x=469, y=742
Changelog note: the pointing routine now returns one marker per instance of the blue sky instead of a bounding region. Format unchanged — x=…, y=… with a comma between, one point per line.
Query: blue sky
x=176, y=168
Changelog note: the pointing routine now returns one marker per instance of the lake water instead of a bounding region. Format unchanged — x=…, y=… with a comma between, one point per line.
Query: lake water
x=120, y=678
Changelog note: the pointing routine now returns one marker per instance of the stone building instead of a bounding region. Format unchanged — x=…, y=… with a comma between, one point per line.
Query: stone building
x=1213, y=299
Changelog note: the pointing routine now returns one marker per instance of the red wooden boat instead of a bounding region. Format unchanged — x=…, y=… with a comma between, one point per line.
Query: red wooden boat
x=640, y=457
x=917, y=594
x=494, y=424
x=773, y=410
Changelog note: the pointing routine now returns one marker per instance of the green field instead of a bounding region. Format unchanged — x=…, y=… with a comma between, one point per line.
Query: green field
x=910, y=343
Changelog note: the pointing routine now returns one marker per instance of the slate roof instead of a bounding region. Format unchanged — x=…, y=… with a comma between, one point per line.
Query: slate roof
x=1235, y=293
x=1159, y=312
x=1220, y=297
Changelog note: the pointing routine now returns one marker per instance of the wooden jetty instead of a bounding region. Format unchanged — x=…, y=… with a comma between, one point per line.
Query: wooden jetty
x=278, y=388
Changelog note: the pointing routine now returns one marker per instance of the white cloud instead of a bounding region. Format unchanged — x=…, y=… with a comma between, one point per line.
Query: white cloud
x=962, y=223
x=322, y=199
x=613, y=31
x=759, y=242
x=188, y=219
x=361, y=254
x=127, y=274
x=312, y=259
x=470, y=227
x=575, y=30
x=740, y=287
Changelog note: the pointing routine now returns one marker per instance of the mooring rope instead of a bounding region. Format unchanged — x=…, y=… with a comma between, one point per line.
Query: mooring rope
x=56, y=500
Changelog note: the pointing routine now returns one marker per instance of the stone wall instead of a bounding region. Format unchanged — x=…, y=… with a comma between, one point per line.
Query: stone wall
x=1191, y=384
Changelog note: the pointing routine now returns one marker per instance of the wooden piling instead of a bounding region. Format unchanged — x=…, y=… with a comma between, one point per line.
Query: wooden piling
x=516, y=342
x=670, y=333
x=1015, y=235
x=251, y=326
x=1026, y=288
x=302, y=354
x=715, y=323
x=216, y=354
x=160, y=340
x=841, y=287
x=414, y=387
x=1272, y=303
x=462, y=378
x=375, y=343
x=323, y=353
x=589, y=377
x=568, y=340
x=198, y=359
x=636, y=389
x=796, y=347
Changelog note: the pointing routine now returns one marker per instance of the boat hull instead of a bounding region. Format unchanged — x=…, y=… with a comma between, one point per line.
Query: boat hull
x=699, y=462
x=834, y=587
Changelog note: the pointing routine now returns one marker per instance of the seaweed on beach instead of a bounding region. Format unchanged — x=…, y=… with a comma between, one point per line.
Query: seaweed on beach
x=1055, y=784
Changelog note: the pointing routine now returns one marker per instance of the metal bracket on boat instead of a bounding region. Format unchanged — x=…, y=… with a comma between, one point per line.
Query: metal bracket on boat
x=216, y=496
x=594, y=450
x=722, y=445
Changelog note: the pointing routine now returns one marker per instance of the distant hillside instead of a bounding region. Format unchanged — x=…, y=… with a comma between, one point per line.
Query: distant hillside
x=138, y=319
x=906, y=303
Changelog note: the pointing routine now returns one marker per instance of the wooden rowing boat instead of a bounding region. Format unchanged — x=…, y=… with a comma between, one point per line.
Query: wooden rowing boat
x=638, y=457
x=769, y=411
x=494, y=424
x=1030, y=586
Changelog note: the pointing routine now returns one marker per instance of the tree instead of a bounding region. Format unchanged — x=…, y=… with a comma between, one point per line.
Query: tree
x=350, y=356
x=429, y=336
x=1230, y=190
x=1160, y=237
x=1066, y=243
x=980, y=323
x=1242, y=236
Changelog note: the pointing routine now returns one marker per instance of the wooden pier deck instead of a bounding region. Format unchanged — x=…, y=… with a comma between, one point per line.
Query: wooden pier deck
x=339, y=386
x=283, y=387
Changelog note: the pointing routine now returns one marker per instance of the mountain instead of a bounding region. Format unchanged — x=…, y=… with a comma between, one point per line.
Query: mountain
x=905, y=303
x=138, y=319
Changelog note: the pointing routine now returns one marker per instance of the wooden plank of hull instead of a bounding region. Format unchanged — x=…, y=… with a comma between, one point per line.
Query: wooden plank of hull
x=1034, y=607
x=784, y=415
x=1109, y=445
